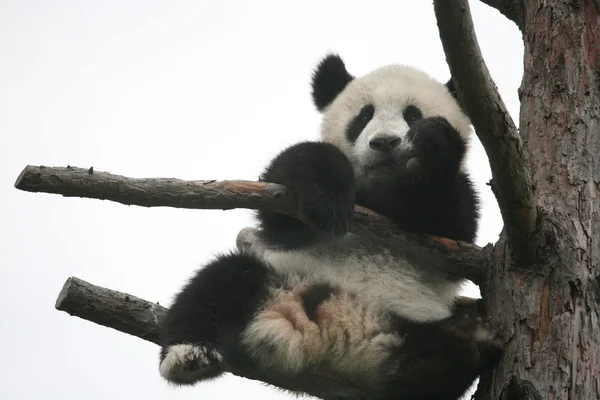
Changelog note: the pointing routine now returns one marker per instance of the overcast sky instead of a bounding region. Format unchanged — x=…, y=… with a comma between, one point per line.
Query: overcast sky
x=187, y=89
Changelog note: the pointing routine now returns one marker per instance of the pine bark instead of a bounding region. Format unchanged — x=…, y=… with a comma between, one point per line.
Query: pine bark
x=549, y=307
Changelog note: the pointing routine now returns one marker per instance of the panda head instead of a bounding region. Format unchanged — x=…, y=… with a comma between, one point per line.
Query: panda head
x=368, y=117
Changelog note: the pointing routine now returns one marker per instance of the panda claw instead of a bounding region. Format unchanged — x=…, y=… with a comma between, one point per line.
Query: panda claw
x=413, y=164
x=187, y=363
x=215, y=355
x=489, y=341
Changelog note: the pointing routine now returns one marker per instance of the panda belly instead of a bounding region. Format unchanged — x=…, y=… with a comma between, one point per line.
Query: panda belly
x=377, y=278
x=345, y=335
x=337, y=306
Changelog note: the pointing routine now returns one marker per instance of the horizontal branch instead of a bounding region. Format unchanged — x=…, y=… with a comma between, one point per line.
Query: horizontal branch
x=120, y=311
x=477, y=93
x=155, y=192
x=460, y=259
x=130, y=314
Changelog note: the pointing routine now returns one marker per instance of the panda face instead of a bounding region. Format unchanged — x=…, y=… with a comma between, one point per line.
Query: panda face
x=376, y=135
x=369, y=118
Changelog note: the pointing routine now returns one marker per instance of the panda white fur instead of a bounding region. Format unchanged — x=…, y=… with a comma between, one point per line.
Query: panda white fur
x=311, y=295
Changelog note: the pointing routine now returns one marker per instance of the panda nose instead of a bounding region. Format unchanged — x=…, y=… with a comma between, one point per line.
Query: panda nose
x=385, y=143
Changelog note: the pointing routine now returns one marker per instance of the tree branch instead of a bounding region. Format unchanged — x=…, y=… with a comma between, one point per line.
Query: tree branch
x=457, y=258
x=477, y=93
x=120, y=311
x=511, y=9
x=141, y=318
x=155, y=192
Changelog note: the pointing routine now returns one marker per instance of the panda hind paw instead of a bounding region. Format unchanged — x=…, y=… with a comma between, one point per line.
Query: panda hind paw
x=489, y=341
x=186, y=364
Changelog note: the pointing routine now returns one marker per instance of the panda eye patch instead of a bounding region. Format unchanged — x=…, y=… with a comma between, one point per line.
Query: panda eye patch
x=358, y=123
x=412, y=114
x=366, y=114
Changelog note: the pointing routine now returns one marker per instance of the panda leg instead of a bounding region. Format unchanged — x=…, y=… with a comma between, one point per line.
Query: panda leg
x=441, y=360
x=436, y=196
x=200, y=331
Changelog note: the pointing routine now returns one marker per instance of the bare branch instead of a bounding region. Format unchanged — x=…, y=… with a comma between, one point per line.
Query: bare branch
x=493, y=124
x=457, y=258
x=129, y=314
x=511, y=9
x=155, y=192
x=120, y=311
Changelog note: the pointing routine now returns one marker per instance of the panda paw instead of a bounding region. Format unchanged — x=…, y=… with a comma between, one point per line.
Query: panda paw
x=489, y=341
x=249, y=241
x=186, y=364
x=436, y=144
x=322, y=178
x=481, y=331
x=330, y=213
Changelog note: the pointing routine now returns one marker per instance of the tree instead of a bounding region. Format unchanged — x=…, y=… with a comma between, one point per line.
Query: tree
x=543, y=282
x=540, y=280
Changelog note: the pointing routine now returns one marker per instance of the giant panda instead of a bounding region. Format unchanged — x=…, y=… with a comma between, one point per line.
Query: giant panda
x=310, y=295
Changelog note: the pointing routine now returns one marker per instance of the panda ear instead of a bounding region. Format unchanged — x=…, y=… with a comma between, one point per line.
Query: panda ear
x=451, y=88
x=329, y=79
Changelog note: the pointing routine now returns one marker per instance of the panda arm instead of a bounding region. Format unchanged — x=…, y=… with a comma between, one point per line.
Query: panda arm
x=439, y=147
x=440, y=199
x=447, y=208
x=436, y=197
x=322, y=178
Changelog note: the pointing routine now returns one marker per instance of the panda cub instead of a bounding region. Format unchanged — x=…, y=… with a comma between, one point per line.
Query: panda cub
x=312, y=296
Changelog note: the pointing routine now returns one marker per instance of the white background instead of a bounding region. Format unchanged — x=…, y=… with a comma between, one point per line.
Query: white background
x=187, y=89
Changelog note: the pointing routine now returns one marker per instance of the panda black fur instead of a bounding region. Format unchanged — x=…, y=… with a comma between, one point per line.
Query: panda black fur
x=313, y=295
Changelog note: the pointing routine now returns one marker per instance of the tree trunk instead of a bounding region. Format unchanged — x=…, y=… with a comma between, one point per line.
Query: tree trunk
x=549, y=307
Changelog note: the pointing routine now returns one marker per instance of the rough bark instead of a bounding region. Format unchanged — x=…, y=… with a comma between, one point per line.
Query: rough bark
x=457, y=258
x=549, y=307
x=551, y=315
x=120, y=311
x=495, y=128
x=155, y=192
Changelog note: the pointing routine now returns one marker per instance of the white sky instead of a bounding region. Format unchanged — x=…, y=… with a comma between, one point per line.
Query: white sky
x=187, y=89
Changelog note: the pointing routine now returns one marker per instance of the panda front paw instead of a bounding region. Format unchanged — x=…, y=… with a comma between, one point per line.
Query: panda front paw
x=186, y=364
x=322, y=178
x=331, y=213
x=437, y=145
x=489, y=341
x=481, y=331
